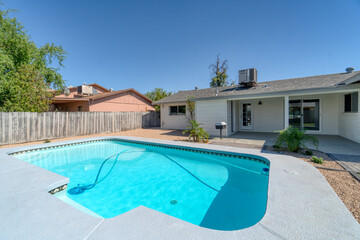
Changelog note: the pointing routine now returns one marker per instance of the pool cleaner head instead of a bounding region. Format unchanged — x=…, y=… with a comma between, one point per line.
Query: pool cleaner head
x=77, y=190
x=81, y=188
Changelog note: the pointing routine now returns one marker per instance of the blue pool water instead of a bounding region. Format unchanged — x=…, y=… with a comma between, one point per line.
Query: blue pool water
x=209, y=190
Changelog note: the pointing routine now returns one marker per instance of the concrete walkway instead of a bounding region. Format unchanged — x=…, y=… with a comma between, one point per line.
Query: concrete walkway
x=342, y=150
x=301, y=205
x=247, y=139
x=338, y=145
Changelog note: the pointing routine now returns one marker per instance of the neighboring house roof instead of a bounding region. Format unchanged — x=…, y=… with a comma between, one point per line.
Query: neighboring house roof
x=270, y=87
x=66, y=100
x=97, y=96
x=94, y=85
x=106, y=93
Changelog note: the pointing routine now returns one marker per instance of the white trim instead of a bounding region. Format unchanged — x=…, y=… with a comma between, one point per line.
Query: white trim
x=233, y=116
x=286, y=112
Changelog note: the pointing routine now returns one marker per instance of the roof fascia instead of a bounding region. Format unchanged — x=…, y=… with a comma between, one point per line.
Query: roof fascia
x=335, y=89
x=351, y=80
x=173, y=102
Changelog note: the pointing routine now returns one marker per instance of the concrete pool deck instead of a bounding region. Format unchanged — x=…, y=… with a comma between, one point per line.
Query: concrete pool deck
x=301, y=205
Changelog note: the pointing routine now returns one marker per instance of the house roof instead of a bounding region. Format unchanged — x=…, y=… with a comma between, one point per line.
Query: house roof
x=102, y=95
x=303, y=83
x=106, y=93
x=67, y=100
x=94, y=85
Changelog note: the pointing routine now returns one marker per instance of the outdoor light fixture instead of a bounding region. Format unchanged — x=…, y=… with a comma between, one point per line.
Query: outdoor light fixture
x=260, y=103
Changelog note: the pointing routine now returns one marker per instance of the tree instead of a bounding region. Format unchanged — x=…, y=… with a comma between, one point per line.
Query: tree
x=219, y=73
x=27, y=72
x=190, y=106
x=157, y=94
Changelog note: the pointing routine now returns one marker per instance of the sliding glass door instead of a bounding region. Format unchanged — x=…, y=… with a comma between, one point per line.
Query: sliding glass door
x=311, y=115
x=295, y=113
x=305, y=114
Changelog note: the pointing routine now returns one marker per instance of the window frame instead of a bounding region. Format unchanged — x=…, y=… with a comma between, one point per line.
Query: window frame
x=300, y=115
x=172, y=113
x=349, y=106
x=183, y=111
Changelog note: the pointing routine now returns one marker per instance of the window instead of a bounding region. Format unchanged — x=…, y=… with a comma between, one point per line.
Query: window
x=177, y=110
x=305, y=114
x=79, y=108
x=182, y=109
x=351, y=102
x=173, y=110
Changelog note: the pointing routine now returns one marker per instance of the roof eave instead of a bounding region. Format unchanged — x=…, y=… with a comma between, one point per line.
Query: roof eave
x=103, y=95
x=169, y=102
x=321, y=90
x=350, y=80
x=68, y=100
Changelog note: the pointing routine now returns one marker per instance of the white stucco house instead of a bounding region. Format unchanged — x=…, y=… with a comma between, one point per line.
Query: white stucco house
x=324, y=104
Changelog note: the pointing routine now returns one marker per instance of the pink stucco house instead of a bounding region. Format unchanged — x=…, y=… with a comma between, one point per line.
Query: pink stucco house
x=95, y=98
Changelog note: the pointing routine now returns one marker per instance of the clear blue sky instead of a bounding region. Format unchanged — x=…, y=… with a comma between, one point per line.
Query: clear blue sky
x=170, y=44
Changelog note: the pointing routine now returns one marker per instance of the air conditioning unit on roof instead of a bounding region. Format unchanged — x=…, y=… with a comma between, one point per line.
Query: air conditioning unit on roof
x=85, y=90
x=248, y=77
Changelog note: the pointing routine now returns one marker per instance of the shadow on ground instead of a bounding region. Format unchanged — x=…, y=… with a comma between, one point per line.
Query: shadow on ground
x=177, y=133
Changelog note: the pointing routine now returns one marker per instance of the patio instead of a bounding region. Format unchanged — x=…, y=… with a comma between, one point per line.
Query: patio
x=344, y=151
x=301, y=205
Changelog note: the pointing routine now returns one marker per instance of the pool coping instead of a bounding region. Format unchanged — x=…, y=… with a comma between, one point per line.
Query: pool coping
x=301, y=205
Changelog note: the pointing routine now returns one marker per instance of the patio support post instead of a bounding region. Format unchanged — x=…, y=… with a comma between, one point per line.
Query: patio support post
x=286, y=111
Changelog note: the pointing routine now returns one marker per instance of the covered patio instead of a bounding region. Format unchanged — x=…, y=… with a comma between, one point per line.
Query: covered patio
x=327, y=143
x=316, y=113
x=344, y=151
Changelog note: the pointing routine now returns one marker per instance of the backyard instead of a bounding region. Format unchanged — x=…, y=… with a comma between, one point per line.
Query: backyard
x=344, y=184
x=179, y=120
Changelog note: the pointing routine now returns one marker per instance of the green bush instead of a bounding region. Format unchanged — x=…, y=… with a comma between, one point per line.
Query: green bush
x=196, y=132
x=47, y=141
x=294, y=139
x=308, y=152
x=317, y=160
x=277, y=147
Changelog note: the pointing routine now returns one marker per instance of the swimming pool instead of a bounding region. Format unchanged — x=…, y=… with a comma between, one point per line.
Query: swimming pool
x=217, y=190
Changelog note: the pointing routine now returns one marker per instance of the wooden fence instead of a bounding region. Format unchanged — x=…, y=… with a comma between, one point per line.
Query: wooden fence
x=19, y=127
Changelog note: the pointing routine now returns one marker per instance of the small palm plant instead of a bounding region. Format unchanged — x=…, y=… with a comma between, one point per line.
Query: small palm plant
x=294, y=139
x=196, y=132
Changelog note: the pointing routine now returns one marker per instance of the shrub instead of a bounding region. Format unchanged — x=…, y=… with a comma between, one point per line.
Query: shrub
x=294, y=139
x=317, y=160
x=196, y=132
x=47, y=141
x=277, y=147
x=308, y=152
